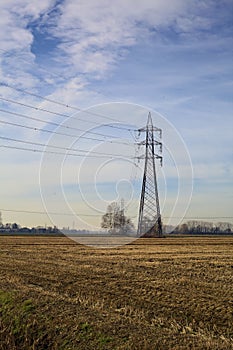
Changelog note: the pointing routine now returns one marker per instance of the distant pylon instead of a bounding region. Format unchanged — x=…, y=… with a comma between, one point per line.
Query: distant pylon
x=149, y=221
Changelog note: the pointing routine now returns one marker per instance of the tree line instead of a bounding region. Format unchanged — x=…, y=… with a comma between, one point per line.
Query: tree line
x=16, y=228
x=204, y=227
x=115, y=222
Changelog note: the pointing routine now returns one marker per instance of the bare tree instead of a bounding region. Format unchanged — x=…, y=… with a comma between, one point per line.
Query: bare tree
x=115, y=220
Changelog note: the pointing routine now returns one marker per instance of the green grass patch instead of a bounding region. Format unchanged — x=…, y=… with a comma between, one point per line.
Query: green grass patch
x=104, y=339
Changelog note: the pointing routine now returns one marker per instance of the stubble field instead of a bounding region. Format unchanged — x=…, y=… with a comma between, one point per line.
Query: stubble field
x=173, y=293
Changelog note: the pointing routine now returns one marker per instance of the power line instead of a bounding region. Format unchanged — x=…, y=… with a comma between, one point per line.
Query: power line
x=62, y=104
x=36, y=108
x=47, y=131
x=62, y=114
x=58, y=147
x=81, y=214
x=63, y=134
x=45, y=213
x=65, y=154
x=54, y=124
x=53, y=101
x=198, y=217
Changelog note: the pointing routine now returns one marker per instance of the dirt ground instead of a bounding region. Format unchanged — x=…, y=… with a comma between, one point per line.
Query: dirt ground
x=172, y=293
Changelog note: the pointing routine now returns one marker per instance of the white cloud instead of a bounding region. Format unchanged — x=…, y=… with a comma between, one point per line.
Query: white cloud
x=16, y=40
x=15, y=16
x=94, y=34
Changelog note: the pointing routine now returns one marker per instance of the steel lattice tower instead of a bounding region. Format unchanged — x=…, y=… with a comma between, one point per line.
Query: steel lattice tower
x=149, y=221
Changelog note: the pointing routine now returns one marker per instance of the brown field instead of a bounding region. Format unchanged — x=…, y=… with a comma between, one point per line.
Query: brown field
x=173, y=293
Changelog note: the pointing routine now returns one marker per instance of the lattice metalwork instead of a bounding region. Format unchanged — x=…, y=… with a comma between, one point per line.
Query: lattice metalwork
x=149, y=222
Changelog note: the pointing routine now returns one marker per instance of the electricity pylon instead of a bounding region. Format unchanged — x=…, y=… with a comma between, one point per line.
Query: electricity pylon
x=149, y=221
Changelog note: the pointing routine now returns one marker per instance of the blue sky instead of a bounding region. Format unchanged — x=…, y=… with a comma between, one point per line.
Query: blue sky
x=171, y=57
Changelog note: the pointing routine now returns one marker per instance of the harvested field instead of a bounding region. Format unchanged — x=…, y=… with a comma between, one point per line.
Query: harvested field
x=173, y=293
